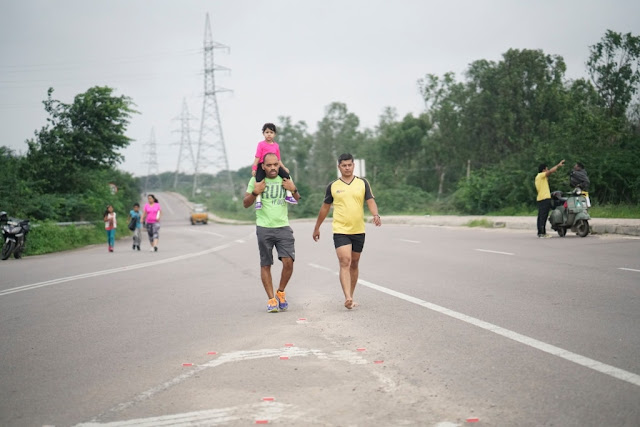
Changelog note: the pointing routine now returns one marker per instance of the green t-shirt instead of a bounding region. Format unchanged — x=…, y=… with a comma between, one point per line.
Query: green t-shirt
x=274, y=213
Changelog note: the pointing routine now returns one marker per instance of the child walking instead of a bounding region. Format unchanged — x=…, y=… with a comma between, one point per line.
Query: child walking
x=110, y=225
x=265, y=147
x=135, y=214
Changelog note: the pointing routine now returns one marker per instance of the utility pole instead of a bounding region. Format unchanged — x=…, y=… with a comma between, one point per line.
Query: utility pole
x=211, y=150
x=185, y=153
x=151, y=155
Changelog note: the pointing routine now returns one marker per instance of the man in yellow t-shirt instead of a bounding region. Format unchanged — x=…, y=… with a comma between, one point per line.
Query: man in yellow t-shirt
x=347, y=194
x=544, y=195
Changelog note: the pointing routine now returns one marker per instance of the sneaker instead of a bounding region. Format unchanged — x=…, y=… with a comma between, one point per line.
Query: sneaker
x=155, y=249
x=544, y=236
x=151, y=249
x=291, y=199
x=134, y=247
x=282, y=302
x=110, y=249
x=258, y=205
x=272, y=306
x=138, y=247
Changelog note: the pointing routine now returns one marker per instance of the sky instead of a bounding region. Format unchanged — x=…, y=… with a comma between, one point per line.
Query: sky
x=285, y=58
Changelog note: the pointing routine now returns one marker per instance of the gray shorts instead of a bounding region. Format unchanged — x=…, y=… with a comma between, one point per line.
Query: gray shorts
x=281, y=238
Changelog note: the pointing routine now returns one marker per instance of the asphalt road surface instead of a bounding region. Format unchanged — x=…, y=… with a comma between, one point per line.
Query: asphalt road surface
x=455, y=327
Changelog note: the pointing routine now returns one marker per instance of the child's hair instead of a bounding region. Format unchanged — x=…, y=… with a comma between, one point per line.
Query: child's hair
x=106, y=210
x=136, y=205
x=269, y=126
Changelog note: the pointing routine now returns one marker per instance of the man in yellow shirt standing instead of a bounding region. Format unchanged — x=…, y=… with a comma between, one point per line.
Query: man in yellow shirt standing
x=544, y=195
x=348, y=195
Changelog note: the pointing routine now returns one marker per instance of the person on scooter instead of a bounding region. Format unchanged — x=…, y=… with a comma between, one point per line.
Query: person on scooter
x=579, y=178
x=544, y=195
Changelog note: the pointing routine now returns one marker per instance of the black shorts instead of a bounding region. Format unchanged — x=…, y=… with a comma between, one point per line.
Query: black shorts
x=355, y=240
x=282, y=238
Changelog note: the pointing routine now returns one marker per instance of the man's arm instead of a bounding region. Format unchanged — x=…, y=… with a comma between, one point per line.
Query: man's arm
x=373, y=208
x=555, y=168
x=289, y=185
x=250, y=198
x=324, y=211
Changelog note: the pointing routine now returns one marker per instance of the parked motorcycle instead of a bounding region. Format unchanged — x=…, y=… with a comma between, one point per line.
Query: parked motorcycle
x=569, y=213
x=14, y=236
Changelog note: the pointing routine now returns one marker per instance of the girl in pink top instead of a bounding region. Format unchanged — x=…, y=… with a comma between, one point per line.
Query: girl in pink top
x=110, y=225
x=265, y=147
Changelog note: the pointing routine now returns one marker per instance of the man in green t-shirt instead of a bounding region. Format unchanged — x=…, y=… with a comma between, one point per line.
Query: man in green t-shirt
x=272, y=228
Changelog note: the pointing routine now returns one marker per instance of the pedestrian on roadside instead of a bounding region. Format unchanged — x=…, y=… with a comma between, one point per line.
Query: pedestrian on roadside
x=151, y=217
x=135, y=217
x=110, y=224
x=544, y=195
x=348, y=194
x=272, y=228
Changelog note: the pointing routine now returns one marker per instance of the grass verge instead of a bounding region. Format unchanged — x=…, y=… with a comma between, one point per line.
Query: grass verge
x=48, y=237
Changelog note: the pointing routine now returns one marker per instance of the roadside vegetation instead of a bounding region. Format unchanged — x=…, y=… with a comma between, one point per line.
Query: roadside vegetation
x=473, y=150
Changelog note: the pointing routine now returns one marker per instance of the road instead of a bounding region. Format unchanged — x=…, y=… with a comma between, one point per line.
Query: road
x=455, y=326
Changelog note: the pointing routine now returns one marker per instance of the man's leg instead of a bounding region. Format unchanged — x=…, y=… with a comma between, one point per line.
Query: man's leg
x=544, y=206
x=265, y=276
x=354, y=270
x=344, y=258
x=287, y=271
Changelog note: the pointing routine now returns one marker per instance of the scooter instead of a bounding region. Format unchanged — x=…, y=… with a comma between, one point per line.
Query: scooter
x=569, y=213
x=14, y=235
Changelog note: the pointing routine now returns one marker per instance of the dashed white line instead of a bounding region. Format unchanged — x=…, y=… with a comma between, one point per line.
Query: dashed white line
x=494, y=252
x=629, y=269
x=595, y=365
x=110, y=271
x=409, y=241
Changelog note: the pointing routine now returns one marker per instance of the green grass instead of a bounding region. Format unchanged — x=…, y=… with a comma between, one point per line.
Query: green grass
x=48, y=237
x=615, y=211
x=480, y=223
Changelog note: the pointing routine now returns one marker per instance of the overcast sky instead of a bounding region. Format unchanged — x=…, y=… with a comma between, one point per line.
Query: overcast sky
x=287, y=57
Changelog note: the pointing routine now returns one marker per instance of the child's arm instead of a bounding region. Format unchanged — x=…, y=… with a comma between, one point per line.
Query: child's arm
x=254, y=168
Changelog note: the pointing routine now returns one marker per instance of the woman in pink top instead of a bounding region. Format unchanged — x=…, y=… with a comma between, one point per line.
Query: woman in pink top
x=151, y=215
x=265, y=147
x=110, y=225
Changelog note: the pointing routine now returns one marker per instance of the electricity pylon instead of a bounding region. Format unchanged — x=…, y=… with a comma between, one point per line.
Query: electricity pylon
x=211, y=151
x=185, y=153
x=151, y=156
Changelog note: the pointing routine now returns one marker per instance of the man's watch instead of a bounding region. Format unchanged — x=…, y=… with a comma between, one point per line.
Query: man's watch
x=294, y=191
x=254, y=194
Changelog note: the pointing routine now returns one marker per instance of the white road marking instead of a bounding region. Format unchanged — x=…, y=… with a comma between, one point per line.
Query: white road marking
x=494, y=252
x=111, y=271
x=270, y=411
x=409, y=241
x=204, y=232
x=629, y=269
x=349, y=356
x=595, y=365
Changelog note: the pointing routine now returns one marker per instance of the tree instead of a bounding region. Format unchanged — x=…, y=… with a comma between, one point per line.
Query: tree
x=79, y=138
x=614, y=67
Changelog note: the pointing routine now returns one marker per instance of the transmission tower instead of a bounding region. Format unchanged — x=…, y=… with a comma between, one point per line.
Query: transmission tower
x=151, y=156
x=211, y=150
x=185, y=154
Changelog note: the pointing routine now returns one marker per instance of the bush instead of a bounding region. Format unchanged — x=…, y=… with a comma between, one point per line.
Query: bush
x=48, y=237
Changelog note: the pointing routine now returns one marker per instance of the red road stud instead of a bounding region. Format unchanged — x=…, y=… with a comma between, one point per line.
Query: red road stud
x=473, y=420
x=268, y=399
x=284, y=357
x=360, y=349
x=302, y=319
x=187, y=364
x=262, y=421
x=378, y=362
x=288, y=344
x=212, y=352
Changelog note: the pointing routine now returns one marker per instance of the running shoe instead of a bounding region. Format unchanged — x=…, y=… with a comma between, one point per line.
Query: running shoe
x=272, y=306
x=282, y=301
x=258, y=205
x=291, y=199
x=155, y=249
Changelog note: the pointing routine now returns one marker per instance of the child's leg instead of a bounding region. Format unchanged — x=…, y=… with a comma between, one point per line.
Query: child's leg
x=289, y=198
x=260, y=176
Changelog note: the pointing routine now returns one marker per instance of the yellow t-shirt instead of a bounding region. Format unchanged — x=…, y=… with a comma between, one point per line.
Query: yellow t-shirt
x=348, y=204
x=542, y=185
